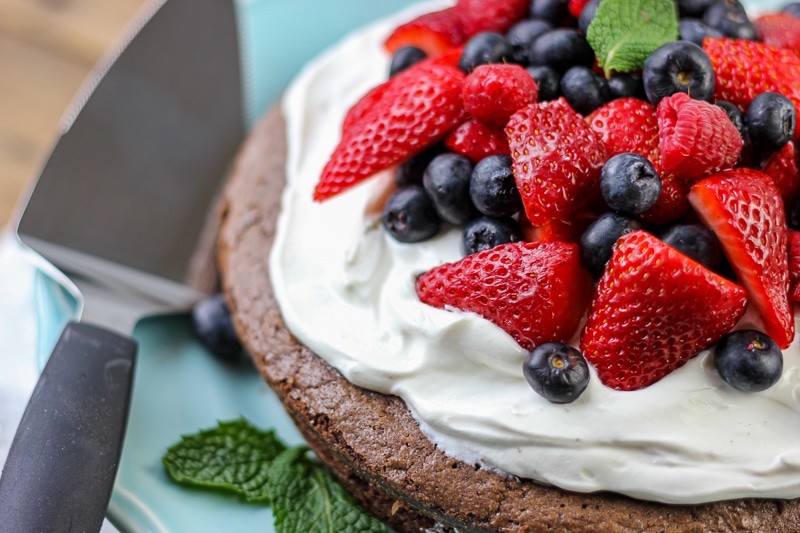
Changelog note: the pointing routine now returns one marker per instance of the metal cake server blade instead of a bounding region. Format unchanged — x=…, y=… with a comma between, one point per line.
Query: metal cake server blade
x=122, y=208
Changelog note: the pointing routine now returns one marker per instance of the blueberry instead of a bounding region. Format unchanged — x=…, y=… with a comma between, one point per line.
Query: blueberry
x=561, y=49
x=547, y=80
x=584, y=90
x=630, y=184
x=554, y=11
x=485, y=233
x=409, y=215
x=587, y=15
x=693, y=30
x=522, y=34
x=678, y=66
x=736, y=117
x=771, y=121
x=492, y=187
x=484, y=48
x=446, y=180
x=598, y=240
x=792, y=8
x=404, y=58
x=697, y=242
x=213, y=325
x=730, y=18
x=626, y=85
x=693, y=8
x=412, y=169
x=748, y=360
x=557, y=372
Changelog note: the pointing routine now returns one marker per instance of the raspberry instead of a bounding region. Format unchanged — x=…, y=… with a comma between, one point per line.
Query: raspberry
x=492, y=93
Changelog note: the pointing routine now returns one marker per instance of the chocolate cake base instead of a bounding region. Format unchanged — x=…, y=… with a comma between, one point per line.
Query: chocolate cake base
x=371, y=442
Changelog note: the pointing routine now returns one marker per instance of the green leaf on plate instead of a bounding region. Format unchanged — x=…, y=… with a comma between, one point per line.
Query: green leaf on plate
x=624, y=32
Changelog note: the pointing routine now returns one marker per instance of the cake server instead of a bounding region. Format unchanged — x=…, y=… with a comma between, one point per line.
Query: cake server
x=124, y=206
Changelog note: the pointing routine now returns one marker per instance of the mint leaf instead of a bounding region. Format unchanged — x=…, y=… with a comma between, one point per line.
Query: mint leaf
x=624, y=32
x=306, y=499
x=235, y=457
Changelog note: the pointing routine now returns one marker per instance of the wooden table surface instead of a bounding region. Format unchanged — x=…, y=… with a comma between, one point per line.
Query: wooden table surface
x=47, y=49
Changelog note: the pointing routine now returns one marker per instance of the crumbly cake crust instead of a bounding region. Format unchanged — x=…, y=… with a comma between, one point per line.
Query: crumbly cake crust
x=371, y=442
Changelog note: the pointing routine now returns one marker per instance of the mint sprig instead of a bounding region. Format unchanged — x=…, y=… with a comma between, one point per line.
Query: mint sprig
x=240, y=458
x=624, y=32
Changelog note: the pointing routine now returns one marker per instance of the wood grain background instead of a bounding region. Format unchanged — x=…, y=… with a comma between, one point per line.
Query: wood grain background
x=47, y=48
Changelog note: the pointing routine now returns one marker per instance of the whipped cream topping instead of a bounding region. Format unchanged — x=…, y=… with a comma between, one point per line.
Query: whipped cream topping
x=346, y=290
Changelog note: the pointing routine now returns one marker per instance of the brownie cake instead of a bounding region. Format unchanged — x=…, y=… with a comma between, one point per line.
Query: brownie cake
x=374, y=444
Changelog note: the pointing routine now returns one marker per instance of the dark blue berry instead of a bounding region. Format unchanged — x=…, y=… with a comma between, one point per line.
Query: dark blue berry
x=587, y=15
x=630, y=184
x=446, y=180
x=626, y=85
x=771, y=121
x=404, y=58
x=678, y=66
x=485, y=233
x=547, y=80
x=409, y=215
x=484, y=48
x=554, y=11
x=522, y=34
x=730, y=18
x=492, y=187
x=694, y=30
x=693, y=8
x=410, y=171
x=213, y=325
x=561, y=49
x=584, y=89
x=598, y=240
x=697, y=242
x=792, y=8
x=736, y=117
x=748, y=360
x=557, y=372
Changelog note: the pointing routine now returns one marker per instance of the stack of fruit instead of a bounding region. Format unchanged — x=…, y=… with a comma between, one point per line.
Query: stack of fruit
x=625, y=168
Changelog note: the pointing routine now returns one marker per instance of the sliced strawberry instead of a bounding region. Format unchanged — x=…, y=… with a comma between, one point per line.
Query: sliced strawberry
x=492, y=93
x=627, y=125
x=476, y=140
x=696, y=138
x=569, y=230
x=782, y=167
x=653, y=310
x=536, y=292
x=434, y=33
x=417, y=110
x=557, y=160
x=745, y=211
x=779, y=29
x=363, y=106
x=491, y=15
x=793, y=240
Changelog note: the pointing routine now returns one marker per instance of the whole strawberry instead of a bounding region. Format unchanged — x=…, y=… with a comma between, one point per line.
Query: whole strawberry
x=536, y=292
x=415, y=110
x=492, y=93
x=745, y=211
x=557, y=160
x=627, y=125
x=653, y=310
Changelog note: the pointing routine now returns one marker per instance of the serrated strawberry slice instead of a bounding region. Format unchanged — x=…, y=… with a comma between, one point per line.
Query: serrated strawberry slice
x=557, y=160
x=654, y=309
x=745, y=211
x=782, y=167
x=417, y=109
x=491, y=15
x=434, y=33
x=536, y=292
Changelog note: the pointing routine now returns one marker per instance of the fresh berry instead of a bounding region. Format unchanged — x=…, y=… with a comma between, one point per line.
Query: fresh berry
x=745, y=211
x=696, y=138
x=793, y=238
x=491, y=15
x=547, y=80
x=627, y=125
x=697, y=242
x=554, y=11
x=410, y=216
x=557, y=159
x=476, y=140
x=417, y=108
x=626, y=85
x=695, y=31
x=485, y=232
x=405, y=57
x=693, y=8
x=535, y=292
x=782, y=168
x=567, y=230
x=561, y=49
x=556, y=371
x=779, y=29
x=584, y=89
x=678, y=66
x=586, y=15
x=364, y=106
x=483, y=49
x=576, y=7
x=492, y=93
x=213, y=325
x=597, y=242
x=434, y=32
x=410, y=171
x=771, y=121
x=748, y=360
x=446, y=180
x=492, y=187
x=671, y=204
x=730, y=18
x=522, y=34
x=630, y=184
x=736, y=117
x=653, y=310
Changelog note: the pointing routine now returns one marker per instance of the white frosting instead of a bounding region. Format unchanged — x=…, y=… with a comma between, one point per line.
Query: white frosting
x=346, y=290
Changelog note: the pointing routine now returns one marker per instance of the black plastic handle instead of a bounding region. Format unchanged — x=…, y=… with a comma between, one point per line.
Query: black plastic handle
x=61, y=466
